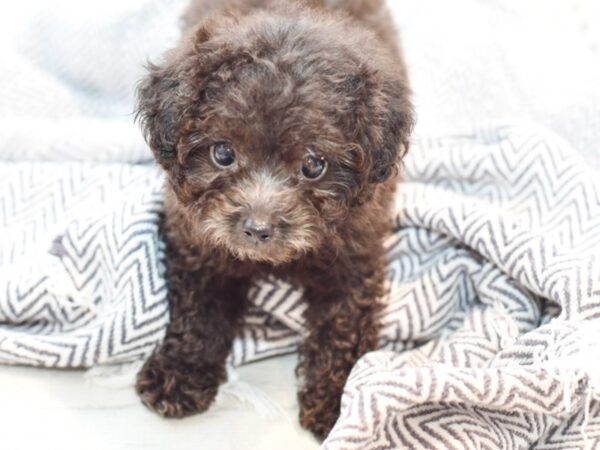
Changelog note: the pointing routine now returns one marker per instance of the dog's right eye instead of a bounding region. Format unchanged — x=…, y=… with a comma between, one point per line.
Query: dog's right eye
x=222, y=154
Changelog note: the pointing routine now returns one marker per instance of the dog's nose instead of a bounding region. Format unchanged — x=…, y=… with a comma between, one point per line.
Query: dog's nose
x=259, y=231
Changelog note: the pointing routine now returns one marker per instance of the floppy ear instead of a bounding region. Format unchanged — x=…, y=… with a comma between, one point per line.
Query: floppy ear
x=381, y=120
x=158, y=114
x=396, y=115
x=157, y=95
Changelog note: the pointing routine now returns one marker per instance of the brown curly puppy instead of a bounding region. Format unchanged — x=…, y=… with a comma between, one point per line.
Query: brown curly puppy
x=280, y=126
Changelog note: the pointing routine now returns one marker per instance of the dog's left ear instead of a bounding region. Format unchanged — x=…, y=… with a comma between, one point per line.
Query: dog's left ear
x=381, y=119
x=396, y=116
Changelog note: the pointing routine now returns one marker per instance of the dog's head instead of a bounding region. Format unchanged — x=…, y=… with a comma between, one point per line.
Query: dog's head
x=271, y=129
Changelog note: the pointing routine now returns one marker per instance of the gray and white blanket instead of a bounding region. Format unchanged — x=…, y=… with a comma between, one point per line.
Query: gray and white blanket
x=492, y=333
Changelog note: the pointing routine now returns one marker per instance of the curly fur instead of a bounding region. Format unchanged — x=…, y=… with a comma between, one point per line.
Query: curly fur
x=276, y=80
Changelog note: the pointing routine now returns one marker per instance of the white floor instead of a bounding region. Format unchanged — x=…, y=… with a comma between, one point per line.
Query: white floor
x=53, y=409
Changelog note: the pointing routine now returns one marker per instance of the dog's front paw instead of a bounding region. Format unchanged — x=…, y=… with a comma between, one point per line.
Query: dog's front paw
x=174, y=390
x=318, y=413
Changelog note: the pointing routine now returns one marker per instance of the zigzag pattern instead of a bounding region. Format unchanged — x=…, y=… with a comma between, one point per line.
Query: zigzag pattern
x=99, y=296
x=499, y=230
x=493, y=300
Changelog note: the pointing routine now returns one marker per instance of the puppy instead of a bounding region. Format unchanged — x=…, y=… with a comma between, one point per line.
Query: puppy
x=280, y=126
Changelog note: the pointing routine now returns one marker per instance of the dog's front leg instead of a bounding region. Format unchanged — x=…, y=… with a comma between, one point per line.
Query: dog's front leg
x=182, y=377
x=342, y=327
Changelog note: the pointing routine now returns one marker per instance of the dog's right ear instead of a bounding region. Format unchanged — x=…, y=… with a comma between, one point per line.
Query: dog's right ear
x=157, y=112
x=157, y=107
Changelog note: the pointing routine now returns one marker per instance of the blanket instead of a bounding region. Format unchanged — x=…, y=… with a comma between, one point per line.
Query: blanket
x=494, y=303
x=490, y=336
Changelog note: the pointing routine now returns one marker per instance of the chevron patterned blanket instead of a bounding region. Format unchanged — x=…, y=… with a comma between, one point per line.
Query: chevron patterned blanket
x=492, y=333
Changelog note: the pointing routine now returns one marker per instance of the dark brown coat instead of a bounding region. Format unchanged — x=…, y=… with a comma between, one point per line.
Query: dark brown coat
x=277, y=82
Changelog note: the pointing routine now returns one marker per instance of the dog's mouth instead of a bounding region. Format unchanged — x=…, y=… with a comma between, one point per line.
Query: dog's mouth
x=274, y=239
x=262, y=246
x=271, y=254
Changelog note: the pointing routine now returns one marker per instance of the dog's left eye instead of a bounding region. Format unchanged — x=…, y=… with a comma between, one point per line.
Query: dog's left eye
x=222, y=154
x=313, y=167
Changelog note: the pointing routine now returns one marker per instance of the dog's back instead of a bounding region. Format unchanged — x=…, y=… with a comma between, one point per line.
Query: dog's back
x=371, y=14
